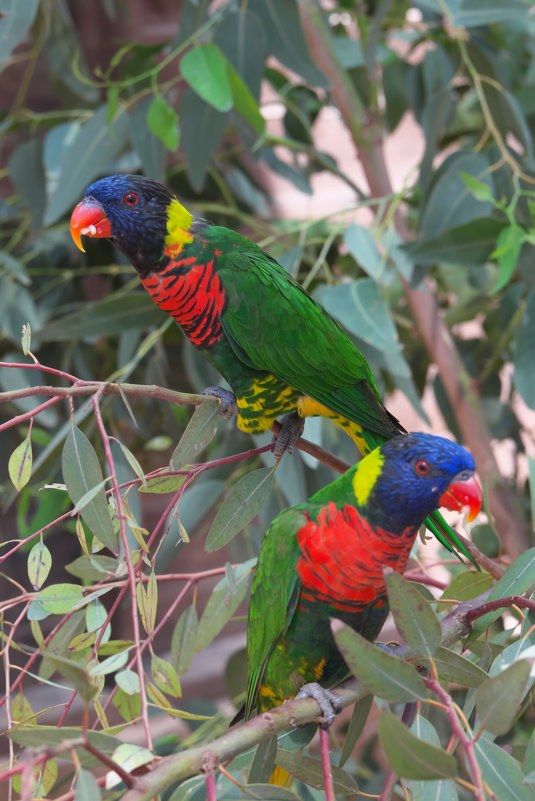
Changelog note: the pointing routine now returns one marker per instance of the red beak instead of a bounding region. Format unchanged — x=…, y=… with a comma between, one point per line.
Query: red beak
x=88, y=219
x=461, y=495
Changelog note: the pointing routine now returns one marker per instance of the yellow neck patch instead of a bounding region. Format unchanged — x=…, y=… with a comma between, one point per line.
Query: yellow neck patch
x=178, y=224
x=366, y=475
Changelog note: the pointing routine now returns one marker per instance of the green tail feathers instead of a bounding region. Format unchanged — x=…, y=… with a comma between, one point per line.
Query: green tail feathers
x=447, y=536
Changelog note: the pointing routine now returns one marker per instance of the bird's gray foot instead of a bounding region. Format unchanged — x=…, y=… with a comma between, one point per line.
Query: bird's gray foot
x=292, y=426
x=228, y=401
x=329, y=703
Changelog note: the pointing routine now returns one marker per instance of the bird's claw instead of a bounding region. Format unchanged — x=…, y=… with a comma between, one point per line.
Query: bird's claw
x=292, y=426
x=228, y=405
x=330, y=704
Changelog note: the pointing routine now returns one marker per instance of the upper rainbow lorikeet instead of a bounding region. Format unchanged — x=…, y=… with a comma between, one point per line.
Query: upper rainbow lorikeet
x=325, y=558
x=281, y=351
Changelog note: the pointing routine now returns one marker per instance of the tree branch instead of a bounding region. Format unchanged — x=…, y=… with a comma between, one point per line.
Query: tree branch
x=459, y=387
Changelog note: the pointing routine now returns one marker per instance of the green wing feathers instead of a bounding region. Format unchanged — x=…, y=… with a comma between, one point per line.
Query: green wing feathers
x=272, y=603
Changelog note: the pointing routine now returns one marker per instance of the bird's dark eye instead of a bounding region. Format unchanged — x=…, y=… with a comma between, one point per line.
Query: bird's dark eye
x=130, y=199
x=422, y=467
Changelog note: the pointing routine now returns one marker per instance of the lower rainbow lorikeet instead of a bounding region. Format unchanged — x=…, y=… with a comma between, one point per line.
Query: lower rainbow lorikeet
x=280, y=351
x=325, y=558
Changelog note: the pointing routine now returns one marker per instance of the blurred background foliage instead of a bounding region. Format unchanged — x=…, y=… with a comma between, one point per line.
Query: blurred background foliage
x=215, y=99
x=96, y=91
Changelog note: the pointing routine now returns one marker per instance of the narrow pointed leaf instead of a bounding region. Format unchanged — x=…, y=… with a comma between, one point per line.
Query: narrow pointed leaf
x=498, y=698
x=263, y=761
x=309, y=770
x=414, y=618
x=81, y=473
x=359, y=717
x=163, y=484
x=501, y=772
x=39, y=564
x=205, y=69
x=222, y=604
x=380, y=672
x=243, y=502
x=516, y=580
x=183, y=640
x=454, y=667
x=409, y=756
x=200, y=430
x=86, y=787
x=20, y=464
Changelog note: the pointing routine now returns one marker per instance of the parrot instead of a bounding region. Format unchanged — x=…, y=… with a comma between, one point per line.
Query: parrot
x=279, y=350
x=324, y=559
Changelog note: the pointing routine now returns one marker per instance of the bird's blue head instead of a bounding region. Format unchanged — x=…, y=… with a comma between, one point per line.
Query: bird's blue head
x=405, y=479
x=131, y=210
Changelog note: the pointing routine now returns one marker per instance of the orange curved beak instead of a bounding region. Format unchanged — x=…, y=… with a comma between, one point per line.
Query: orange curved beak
x=463, y=495
x=88, y=219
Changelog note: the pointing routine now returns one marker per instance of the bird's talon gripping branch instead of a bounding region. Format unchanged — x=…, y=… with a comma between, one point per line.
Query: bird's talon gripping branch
x=228, y=401
x=329, y=703
x=292, y=426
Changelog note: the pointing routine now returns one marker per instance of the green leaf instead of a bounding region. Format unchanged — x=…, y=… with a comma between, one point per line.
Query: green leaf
x=133, y=462
x=88, y=496
x=161, y=485
x=361, y=244
x=359, y=717
x=501, y=772
x=165, y=677
x=241, y=38
x=93, y=568
x=456, y=668
x=81, y=473
x=285, y=37
x=498, y=699
x=476, y=187
x=244, y=103
x=243, y=502
x=107, y=317
x=309, y=770
x=517, y=579
x=79, y=676
x=381, y=673
x=109, y=665
x=467, y=585
x=35, y=736
x=205, y=69
x=129, y=757
x=361, y=308
x=450, y=201
x=199, y=432
x=414, y=618
x=128, y=705
x=90, y=153
x=150, y=148
x=268, y=792
x=524, y=374
x=201, y=136
x=409, y=756
x=147, y=601
x=429, y=790
x=20, y=464
x=183, y=640
x=507, y=251
x=86, y=787
x=39, y=564
x=16, y=21
x=128, y=681
x=162, y=120
x=468, y=244
x=475, y=13
x=58, y=599
x=27, y=173
x=222, y=604
x=263, y=761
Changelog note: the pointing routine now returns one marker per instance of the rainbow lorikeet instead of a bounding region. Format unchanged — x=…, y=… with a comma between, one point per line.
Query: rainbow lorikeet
x=281, y=351
x=325, y=558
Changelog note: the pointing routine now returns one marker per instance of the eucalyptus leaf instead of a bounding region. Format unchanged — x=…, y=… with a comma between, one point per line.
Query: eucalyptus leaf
x=415, y=619
x=409, y=756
